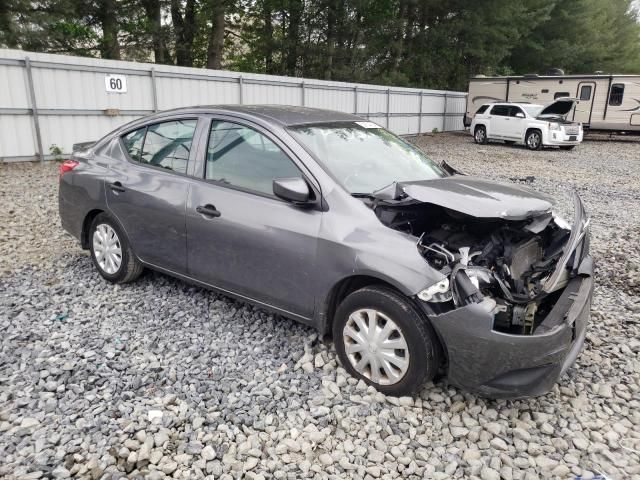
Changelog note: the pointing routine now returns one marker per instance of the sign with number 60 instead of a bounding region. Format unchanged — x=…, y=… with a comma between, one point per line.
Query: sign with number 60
x=115, y=83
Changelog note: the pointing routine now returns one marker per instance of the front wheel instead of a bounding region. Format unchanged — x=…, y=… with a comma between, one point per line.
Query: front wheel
x=533, y=140
x=111, y=252
x=383, y=339
x=480, y=135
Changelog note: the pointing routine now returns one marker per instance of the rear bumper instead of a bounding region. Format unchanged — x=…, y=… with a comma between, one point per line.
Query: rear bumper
x=501, y=365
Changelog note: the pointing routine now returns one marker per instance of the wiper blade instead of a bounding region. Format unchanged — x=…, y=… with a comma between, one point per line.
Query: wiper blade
x=362, y=195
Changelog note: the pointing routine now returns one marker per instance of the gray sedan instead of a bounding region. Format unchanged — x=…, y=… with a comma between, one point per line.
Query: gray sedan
x=414, y=268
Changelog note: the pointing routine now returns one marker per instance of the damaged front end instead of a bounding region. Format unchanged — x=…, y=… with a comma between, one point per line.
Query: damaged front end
x=514, y=269
x=512, y=285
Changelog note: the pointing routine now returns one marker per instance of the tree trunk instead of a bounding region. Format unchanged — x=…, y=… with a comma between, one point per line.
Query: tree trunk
x=331, y=32
x=293, y=36
x=110, y=47
x=185, y=29
x=267, y=35
x=154, y=17
x=216, y=36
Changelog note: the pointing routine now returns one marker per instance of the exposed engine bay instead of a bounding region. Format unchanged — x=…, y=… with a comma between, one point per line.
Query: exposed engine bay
x=503, y=264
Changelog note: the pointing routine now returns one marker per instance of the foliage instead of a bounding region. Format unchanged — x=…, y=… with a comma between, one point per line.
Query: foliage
x=424, y=43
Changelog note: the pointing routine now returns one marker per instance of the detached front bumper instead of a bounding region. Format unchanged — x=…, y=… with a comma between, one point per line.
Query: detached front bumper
x=501, y=365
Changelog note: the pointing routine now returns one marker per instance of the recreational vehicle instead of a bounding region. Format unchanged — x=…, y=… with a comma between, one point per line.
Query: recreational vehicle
x=605, y=102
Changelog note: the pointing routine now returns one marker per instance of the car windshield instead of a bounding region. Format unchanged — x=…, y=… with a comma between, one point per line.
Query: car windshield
x=364, y=157
x=532, y=110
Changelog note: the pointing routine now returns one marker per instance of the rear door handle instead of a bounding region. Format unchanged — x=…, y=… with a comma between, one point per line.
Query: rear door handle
x=117, y=187
x=208, y=210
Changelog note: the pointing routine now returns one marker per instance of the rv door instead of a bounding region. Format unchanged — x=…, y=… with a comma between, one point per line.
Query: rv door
x=585, y=95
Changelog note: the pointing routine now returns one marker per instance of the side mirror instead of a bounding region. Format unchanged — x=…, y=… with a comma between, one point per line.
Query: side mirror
x=293, y=189
x=520, y=115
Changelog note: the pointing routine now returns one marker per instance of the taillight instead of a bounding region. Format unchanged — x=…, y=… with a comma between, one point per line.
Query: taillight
x=67, y=166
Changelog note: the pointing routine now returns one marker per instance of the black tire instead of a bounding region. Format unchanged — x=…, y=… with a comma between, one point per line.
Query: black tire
x=567, y=147
x=480, y=135
x=423, y=346
x=533, y=139
x=130, y=268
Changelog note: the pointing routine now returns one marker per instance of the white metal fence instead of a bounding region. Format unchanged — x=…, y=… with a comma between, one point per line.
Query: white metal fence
x=49, y=102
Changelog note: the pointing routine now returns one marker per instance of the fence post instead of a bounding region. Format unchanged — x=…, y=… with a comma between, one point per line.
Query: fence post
x=388, y=105
x=303, y=93
x=420, y=114
x=444, y=114
x=34, y=108
x=154, y=90
x=355, y=99
x=240, y=90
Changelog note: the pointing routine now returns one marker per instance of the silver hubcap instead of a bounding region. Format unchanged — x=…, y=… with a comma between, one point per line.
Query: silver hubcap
x=479, y=135
x=107, y=249
x=375, y=346
x=534, y=140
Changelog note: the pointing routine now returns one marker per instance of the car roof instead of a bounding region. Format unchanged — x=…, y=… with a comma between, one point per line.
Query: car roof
x=518, y=104
x=284, y=115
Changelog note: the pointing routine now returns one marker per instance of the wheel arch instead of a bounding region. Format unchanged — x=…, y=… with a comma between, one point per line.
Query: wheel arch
x=341, y=290
x=86, y=226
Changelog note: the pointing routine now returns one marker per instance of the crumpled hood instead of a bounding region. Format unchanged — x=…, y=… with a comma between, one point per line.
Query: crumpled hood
x=479, y=197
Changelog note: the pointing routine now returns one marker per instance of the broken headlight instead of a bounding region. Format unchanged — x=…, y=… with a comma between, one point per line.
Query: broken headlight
x=438, y=292
x=561, y=222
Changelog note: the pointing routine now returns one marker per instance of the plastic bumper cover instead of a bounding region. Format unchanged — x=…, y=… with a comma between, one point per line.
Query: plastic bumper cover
x=502, y=365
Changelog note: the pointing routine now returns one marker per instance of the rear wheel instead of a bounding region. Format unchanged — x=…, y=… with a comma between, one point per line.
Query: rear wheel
x=110, y=251
x=480, y=135
x=533, y=140
x=383, y=339
x=567, y=147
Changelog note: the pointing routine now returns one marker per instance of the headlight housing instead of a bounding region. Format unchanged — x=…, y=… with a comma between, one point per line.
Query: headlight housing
x=554, y=126
x=438, y=292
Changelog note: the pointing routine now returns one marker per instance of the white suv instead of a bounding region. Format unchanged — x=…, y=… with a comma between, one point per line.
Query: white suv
x=534, y=126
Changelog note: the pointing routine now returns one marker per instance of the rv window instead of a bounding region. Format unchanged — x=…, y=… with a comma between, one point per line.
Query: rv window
x=617, y=92
x=500, y=110
x=482, y=109
x=585, y=92
x=558, y=95
x=545, y=90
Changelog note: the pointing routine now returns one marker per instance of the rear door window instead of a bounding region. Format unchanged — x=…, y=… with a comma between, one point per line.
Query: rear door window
x=168, y=144
x=500, y=110
x=165, y=145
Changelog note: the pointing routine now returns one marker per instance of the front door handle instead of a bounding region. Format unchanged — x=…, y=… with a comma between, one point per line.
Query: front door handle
x=208, y=210
x=116, y=187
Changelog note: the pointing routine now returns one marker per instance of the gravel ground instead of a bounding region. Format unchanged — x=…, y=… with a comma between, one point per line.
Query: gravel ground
x=162, y=379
